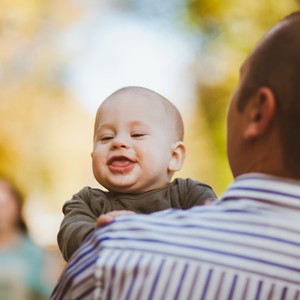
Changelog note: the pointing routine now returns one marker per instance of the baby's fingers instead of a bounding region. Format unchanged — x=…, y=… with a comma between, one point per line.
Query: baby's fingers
x=109, y=217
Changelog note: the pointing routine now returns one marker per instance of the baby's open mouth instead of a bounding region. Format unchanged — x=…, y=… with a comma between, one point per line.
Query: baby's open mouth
x=120, y=164
x=119, y=161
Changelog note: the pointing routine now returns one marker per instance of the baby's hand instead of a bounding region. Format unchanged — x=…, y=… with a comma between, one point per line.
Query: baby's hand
x=109, y=217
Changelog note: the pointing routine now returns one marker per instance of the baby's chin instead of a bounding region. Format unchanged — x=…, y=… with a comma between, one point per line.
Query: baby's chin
x=134, y=187
x=132, y=183
x=124, y=187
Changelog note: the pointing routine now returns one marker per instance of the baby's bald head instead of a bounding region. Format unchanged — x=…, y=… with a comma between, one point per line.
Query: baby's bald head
x=136, y=95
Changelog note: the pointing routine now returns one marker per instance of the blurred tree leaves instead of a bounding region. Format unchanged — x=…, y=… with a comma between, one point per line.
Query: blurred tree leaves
x=230, y=30
x=45, y=137
x=36, y=113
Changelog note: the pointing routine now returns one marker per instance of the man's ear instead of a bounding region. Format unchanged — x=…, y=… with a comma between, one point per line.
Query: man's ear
x=260, y=113
x=177, y=157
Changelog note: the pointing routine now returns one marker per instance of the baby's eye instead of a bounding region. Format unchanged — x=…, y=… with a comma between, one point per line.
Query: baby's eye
x=106, y=138
x=137, y=135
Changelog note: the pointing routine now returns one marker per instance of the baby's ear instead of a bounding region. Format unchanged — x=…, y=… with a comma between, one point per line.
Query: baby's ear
x=177, y=157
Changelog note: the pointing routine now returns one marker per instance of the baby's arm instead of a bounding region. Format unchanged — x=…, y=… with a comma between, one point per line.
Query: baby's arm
x=198, y=193
x=78, y=222
x=109, y=217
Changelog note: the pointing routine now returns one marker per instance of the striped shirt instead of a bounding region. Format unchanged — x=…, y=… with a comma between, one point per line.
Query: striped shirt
x=245, y=246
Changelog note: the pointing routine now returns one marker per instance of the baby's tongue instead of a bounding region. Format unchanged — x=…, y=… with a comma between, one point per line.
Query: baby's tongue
x=122, y=162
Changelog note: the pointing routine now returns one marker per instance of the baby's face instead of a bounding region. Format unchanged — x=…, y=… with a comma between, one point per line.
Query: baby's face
x=132, y=144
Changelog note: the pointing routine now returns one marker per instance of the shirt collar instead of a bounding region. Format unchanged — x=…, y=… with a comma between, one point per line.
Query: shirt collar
x=265, y=188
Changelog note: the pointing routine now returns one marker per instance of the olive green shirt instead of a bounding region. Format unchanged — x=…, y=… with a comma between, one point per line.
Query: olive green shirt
x=81, y=212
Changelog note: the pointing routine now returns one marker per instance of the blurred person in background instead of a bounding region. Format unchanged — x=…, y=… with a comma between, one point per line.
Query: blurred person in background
x=22, y=262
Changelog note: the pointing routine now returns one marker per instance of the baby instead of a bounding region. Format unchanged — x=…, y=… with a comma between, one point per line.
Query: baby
x=138, y=145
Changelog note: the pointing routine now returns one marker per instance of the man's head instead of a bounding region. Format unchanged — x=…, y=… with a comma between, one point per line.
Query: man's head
x=137, y=141
x=264, y=114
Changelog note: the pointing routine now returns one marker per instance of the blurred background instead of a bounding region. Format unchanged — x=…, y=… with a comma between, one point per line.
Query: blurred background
x=59, y=59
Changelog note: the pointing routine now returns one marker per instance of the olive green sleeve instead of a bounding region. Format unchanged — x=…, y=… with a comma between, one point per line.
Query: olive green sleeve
x=193, y=193
x=79, y=220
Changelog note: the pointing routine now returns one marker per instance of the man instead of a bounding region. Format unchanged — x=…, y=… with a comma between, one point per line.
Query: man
x=246, y=246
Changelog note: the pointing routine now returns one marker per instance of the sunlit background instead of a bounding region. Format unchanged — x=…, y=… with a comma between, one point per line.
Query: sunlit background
x=59, y=59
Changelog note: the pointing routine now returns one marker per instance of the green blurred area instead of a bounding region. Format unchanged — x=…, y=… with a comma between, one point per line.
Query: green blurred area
x=231, y=29
x=46, y=136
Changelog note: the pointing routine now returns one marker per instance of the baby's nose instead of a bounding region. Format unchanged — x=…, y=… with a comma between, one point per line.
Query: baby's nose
x=119, y=142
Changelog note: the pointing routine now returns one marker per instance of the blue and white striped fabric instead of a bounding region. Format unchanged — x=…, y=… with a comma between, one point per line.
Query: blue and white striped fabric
x=246, y=246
